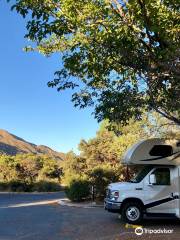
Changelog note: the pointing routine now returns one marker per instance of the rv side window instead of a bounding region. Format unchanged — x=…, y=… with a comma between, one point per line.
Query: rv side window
x=162, y=176
x=161, y=150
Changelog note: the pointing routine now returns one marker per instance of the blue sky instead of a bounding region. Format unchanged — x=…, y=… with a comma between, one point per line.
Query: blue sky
x=28, y=108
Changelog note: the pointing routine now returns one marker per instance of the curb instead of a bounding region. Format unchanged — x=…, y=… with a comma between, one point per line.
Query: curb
x=68, y=203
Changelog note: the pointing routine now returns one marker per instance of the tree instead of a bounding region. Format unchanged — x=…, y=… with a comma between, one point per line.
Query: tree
x=122, y=55
x=99, y=161
x=107, y=147
x=99, y=149
x=74, y=167
x=158, y=126
x=7, y=168
x=29, y=168
x=51, y=168
x=112, y=141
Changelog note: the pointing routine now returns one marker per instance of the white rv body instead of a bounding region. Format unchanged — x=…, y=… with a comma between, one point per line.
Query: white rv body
x=156, y=190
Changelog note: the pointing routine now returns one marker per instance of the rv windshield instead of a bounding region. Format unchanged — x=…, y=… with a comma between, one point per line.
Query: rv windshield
x=141, y=174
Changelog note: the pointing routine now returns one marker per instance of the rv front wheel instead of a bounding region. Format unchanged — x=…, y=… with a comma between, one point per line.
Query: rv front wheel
x=132, y=212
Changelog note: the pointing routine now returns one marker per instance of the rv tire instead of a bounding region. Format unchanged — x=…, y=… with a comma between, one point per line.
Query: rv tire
x=132, y=212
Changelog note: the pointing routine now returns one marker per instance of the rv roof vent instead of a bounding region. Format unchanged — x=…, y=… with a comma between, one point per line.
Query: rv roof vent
x=161, y=150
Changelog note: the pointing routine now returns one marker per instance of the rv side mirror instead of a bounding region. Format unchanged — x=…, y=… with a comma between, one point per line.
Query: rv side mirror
x=152, y=179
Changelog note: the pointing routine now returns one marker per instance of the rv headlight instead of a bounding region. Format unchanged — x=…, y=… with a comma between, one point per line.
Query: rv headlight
x=114, y=195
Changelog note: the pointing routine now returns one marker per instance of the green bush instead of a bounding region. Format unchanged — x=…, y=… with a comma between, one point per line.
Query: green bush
x=100, y=177
x=17, y=186
x=41, y=186
x=78, y=190
x=46, y=186
x=3, y=186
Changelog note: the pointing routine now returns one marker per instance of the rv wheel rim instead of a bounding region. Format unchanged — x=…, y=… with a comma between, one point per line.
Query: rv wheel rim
x=132, y=213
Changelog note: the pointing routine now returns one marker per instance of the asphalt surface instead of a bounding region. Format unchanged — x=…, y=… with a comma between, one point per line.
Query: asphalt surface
x=23, y=217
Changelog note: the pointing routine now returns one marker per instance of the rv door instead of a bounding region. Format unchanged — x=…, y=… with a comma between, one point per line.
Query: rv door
x=162, y=190
x=178, y=193
x=176, y=189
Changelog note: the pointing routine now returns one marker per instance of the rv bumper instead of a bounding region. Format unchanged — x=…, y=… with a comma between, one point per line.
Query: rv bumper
x=112, y=206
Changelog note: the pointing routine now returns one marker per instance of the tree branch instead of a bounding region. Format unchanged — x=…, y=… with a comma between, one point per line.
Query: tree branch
x=166, y=115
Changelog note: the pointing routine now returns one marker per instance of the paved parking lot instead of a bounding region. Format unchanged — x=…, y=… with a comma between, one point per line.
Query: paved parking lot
x=24, y=217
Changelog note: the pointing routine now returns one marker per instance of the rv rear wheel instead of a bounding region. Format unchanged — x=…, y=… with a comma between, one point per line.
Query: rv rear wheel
x=132, y=212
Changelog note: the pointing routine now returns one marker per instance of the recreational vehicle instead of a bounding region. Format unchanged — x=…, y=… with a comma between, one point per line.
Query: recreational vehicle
x=155, y=190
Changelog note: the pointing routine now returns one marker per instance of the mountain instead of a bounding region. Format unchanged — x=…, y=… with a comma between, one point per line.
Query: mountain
x=12, y=145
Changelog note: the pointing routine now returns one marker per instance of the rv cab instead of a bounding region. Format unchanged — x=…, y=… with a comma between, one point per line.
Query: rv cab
x=155, y=190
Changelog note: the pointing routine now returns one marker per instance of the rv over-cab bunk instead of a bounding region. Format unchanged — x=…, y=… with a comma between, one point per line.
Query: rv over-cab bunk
x=154, y=151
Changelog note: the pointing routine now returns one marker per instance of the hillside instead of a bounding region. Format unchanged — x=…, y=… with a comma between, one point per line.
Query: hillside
x=12, y=145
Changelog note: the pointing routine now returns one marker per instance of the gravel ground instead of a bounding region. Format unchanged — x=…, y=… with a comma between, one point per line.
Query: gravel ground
x=22, y=217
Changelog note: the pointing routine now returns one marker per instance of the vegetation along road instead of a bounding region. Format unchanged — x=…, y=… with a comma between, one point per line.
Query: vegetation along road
x=24, y=216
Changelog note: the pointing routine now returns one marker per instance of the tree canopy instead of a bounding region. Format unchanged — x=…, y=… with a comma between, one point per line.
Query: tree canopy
x=29, y=172
x=99, y=160
x=120, y=56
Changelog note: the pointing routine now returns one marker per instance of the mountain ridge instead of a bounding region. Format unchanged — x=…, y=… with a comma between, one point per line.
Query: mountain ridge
x=11, y=144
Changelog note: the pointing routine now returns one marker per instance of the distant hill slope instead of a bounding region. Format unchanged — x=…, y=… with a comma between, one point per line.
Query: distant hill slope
x=12, y=145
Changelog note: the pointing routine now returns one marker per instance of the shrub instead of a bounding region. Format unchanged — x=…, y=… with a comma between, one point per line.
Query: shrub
x=100, y=177
x=15, y=186
x=41, y=186
x=3, y=186
x=46, y=186
x=78, y=190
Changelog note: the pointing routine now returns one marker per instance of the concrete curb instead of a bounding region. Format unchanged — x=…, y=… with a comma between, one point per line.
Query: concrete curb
x=68, y=203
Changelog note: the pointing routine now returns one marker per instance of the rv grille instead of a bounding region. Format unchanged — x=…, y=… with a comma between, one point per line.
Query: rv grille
x=108, y=193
